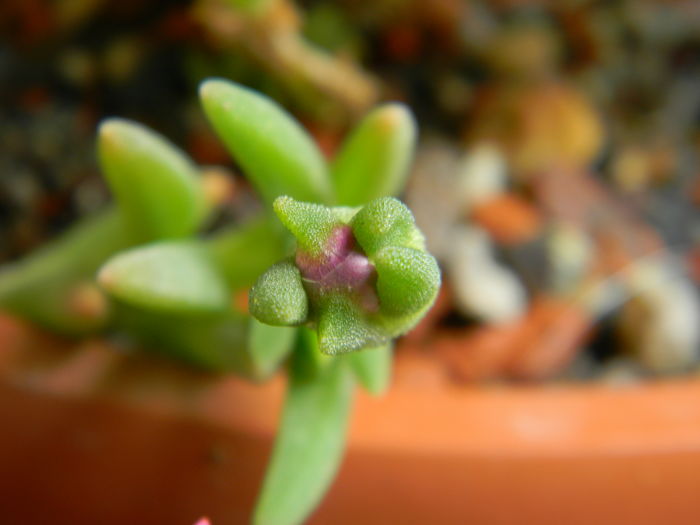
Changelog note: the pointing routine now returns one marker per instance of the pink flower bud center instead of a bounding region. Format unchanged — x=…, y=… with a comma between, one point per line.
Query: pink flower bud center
x=341, y=267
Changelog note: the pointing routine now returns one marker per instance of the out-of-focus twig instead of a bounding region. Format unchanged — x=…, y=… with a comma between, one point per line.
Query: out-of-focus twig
x=271, y=34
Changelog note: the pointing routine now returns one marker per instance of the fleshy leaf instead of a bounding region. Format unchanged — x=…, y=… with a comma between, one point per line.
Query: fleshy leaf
x=356, y=299
x=39, y=287
x=278, y=297
x=308, y=447
x=308, y=360
x=216, y=342
x=408, y=280
x=242, y=253
x=169, y=276
x=311, y=224
x=342, y=327
x=276, y=153
x=268, y=346
x=386, y=222
x=372, y=368
x=374, y=160
x=156, y=186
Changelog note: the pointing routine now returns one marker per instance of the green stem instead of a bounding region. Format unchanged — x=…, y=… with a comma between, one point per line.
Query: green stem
x=309, y=444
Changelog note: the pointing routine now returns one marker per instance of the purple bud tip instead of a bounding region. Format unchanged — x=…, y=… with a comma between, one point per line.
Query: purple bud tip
x=342, y=267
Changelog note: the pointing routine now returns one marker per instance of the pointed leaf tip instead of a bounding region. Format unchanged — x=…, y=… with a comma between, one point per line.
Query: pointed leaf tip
x=156, y=185
x=311, y=224
x=386, y=222
x=275, y=151
x=374, y=160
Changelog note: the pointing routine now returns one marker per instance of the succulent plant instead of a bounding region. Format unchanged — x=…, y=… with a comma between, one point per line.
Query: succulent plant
x=327, y=300
x=360, y=277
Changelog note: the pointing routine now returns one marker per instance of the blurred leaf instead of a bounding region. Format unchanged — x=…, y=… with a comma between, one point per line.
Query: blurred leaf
x=268, y=346
x=40, y=286
x=156, y=186
x=276, y=153
x=216, y=342
x=308, y=447
x=326, y=25
x=374, y=160
x=372, y=368
x=170, y=276
x=244, y=252
x=251, y=6
x=308, y=360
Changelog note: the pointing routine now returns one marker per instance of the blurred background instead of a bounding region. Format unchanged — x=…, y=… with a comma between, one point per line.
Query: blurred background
x=556, y=177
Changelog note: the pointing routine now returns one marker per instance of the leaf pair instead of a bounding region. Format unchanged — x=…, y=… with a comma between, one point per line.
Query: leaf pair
x=280, y=157
x=158, y=196
x=360, y=283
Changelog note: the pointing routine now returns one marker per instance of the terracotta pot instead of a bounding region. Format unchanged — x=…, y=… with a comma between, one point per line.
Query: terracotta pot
x=93, y=436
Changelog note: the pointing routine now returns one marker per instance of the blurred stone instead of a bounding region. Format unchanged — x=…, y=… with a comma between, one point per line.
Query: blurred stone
x=570, y=255
x=525, y=50
x=621, y=371
x=553, y=331
x=539, y=126
x=659, y=324
x=631, y=170
x=482, y=287
x=530, y=261
x=432, y=193
x=480, y=354
x=481, y=175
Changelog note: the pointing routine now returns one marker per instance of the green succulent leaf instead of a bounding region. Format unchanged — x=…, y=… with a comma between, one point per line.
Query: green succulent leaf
x=372, y=368
x=408, y=280
x=309, y=445
x=276, y=153
x=360, y=284
x=374, y=160
x=216, y=342
x=156, y=186
x=278, y=297
x=309, y=362
x=386, y=222
x=311, y=224
x=169, y=276
x=268, y=346
x=40, y=286
x=343, y=327
x=244, y=252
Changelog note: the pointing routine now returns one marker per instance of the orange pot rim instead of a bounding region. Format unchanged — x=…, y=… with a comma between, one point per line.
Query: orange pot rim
x=552, y=420
x=549, y=420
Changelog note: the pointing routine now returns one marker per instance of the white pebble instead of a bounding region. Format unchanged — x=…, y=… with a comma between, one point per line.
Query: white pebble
x=482, y=286
x=481, y=175
x=669, y=337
